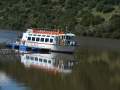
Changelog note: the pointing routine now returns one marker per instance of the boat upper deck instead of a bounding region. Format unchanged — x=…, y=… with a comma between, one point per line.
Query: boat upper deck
x=55, y=32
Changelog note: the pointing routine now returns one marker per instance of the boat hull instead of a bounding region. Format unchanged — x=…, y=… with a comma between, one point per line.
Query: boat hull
x=52, y=47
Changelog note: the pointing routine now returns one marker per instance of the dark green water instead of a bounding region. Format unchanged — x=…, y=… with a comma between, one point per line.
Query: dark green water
x=98, y=68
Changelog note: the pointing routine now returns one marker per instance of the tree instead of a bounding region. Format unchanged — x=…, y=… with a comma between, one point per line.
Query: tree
x=88, y=19
x=115, y=22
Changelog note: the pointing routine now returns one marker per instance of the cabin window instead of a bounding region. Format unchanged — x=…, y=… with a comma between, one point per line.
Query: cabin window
x=29, y=38
x=45, y=60
x=27, y=57
x=42, y=39
x=40, y=60
x=37, y=39
x=30, y=34
x=49, y=61
x=33, y=38
x=46, y=40
x=62, y=37
x=32, y=58
x=51, y=40
x=36, y=59
x=68, y=37
x=43, y=35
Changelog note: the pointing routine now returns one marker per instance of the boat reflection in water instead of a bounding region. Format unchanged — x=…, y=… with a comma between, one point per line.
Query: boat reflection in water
x=51, y=62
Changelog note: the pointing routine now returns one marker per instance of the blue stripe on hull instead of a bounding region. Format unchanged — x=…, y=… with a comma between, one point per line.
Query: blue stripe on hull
x=33, y=49
x=22, y=48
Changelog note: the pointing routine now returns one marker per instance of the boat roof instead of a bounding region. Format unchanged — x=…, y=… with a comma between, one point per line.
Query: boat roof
x=45, y=31
x=70, y=34
x=48, y=31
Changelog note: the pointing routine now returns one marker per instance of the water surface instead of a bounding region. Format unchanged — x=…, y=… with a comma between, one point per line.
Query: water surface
x=97, y=68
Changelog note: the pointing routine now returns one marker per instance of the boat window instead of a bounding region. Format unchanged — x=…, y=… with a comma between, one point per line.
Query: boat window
x=27, y=57
x=62, y=37
x=30, y=34
x=49, y=61
x=45, y=60
x=37, y=39
x=32, y=58
x=56, y=38
x=43, y=35
x=33, y=38
x=68, y=37
x=36, y=59
x=46, y=40
x=40, y=60
x=51, y=40
x=29, y=38
x=72, y=37
x=42, y=39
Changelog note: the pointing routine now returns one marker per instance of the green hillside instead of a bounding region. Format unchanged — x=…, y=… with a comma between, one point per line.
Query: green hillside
x=99, y=18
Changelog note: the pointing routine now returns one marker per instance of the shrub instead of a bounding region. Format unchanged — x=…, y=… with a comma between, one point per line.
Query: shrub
x=104, y=8
x=89, y=19
x=107, y=8
x=98, y=34
x=106, y=35
x=115, y=35
x=115, y=21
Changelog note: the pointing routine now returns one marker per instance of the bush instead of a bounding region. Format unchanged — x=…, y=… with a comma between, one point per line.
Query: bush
x=106, y=35
x=98, y=20
x=115, y=22
x=115, y=35
x=98, y=34
x=89, y=19
x=90, y=34
x=104, y=8
x=107, y=8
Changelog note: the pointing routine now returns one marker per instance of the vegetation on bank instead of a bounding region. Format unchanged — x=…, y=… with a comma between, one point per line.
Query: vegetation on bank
x=99, y=18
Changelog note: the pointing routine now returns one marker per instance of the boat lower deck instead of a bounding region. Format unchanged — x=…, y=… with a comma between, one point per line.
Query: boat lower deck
x=32, y=49
x=25, y=48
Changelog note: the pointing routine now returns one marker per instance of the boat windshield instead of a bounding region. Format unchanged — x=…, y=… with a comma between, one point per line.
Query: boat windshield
x=69, y=37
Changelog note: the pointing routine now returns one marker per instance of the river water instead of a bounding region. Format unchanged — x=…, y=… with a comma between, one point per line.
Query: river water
x=95, y=65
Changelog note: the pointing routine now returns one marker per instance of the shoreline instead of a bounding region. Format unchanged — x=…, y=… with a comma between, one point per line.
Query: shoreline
x=20, y=31
x=99, y=43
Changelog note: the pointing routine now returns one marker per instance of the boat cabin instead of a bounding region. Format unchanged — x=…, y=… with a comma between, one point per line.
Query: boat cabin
x=49, y=37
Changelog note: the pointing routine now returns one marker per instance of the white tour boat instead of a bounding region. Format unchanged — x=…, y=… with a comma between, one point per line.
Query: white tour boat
x=54, y=40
